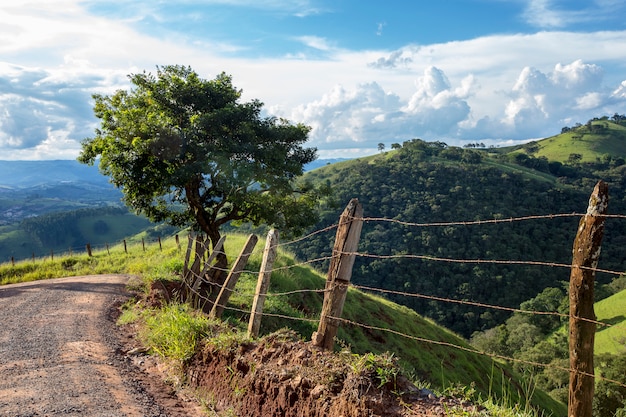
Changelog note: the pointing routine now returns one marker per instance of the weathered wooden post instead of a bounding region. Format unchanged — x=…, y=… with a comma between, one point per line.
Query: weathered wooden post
x=177, y=242
x=233, y=277
x=263, y=282
x=207, y=264
x=143, y=244
x=160, y=246
x=125, y=247
x=339, y=273
x=585, y=255
x=89, y=249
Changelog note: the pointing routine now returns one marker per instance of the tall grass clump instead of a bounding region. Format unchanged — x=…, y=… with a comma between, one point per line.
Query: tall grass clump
x=174, y=331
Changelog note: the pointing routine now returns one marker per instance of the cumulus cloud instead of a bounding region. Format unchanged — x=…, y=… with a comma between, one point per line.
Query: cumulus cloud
x=395, y=59
x=367, y=114
x=506, y=86
x=539, y=99
x=536, y=104
x=47, y=112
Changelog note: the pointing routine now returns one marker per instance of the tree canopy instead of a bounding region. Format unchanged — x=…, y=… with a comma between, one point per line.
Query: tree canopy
x=188, y=151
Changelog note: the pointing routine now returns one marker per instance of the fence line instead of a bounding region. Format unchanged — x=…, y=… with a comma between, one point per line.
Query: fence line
x=430, y=258
x=417, y=338
x=436, y=298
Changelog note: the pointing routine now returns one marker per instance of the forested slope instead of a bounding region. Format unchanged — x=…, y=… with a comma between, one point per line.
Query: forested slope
x=432, y=183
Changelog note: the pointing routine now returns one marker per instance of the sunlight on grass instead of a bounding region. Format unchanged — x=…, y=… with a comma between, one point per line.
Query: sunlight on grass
x=176, y=331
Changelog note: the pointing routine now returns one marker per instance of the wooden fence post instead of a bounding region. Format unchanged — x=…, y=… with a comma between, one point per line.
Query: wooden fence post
x=89, y=249
x=143, y=244
x=339, y=274
x=233, y=276
x=207, y=264
x=177, y=242
x=263, y=282
x=125, y=248
x=585, y=255
x=160, y=246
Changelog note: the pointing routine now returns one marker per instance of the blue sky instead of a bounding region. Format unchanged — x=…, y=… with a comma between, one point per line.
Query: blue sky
x=358, y=72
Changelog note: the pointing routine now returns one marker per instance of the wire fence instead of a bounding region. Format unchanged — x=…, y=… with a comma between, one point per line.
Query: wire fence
x=370, y=289
x=312, y=262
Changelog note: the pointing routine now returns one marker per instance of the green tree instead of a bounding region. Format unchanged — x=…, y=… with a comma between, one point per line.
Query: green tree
x=610, y=398
x=187, y=151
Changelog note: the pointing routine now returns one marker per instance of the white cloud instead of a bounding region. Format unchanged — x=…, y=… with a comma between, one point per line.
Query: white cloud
x=502, y=86
x=315, y=42
x=367, y=114
x=547, y=13
x=536, y=104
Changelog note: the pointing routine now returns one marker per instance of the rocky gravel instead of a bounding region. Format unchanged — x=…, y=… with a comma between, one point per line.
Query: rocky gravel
x=61, y=354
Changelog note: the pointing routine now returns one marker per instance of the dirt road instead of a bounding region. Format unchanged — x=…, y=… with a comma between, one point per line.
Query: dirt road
x=61, y=354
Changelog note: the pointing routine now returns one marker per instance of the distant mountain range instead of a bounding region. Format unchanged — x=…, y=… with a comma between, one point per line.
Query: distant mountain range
x=22, y=174
x=26, y=174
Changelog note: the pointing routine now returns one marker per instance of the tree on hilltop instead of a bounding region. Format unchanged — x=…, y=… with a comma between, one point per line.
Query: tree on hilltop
x=187, y=151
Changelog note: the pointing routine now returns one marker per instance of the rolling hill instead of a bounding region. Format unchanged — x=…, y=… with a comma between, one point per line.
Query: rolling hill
x=596, y=140
x=435, y=193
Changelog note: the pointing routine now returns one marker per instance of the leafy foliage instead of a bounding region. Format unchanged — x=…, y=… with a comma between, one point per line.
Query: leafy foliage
x=609, y=398
x=187, y=151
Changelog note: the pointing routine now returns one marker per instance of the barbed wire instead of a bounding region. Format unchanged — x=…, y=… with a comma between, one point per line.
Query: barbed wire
x=417, y=338
x=475, y=351
x=487, y=221
x=477, y=304
x=481, y=261
x=317, y=232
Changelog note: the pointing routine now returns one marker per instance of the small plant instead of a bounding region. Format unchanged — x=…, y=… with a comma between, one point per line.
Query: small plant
x=225, y=339
x=383, y=368
x=130, y=313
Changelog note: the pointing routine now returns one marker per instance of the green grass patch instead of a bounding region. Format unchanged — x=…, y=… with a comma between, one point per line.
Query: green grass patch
x=611, y=310
x=174, y=331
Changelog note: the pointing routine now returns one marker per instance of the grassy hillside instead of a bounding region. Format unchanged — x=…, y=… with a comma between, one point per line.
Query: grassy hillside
x=593, y=141
x=611, y=310
x=436, y=365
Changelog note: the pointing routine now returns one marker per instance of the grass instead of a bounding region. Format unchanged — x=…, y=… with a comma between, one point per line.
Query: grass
x=175, y=331
x=611, y=310
x=589, y=145
x=151, y=264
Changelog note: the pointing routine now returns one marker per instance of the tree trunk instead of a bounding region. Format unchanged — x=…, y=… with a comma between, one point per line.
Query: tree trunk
x=218, y=273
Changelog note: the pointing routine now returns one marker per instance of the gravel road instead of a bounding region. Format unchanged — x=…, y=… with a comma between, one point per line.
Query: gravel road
x=61, y=354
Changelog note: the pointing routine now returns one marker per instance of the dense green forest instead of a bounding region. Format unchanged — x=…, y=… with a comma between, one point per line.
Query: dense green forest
x=430, y=182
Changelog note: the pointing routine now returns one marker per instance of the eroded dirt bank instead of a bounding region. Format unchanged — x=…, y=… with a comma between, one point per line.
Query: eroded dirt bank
x=280, y=376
